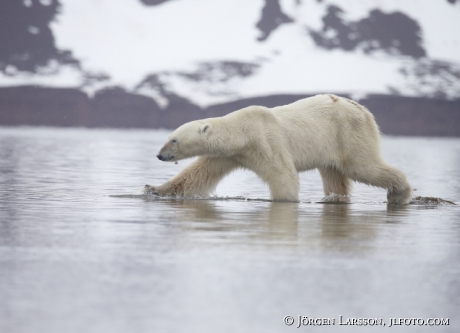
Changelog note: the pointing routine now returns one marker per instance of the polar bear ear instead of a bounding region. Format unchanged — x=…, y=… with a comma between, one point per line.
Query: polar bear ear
x=204, y=128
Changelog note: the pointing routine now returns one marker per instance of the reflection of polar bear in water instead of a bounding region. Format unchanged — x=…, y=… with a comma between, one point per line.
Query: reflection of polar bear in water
x=333, y=134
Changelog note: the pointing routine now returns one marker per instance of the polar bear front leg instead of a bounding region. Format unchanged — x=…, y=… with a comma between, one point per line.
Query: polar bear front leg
x=285, y=187
x=282, y=179
x=287, y=194
x=199, y=178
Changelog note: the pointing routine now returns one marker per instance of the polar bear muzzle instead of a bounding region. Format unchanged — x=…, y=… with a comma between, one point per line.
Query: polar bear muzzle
x=165, y=158
x=168, y=152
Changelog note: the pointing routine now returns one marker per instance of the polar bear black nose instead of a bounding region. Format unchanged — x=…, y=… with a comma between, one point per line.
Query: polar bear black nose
x=160, y=157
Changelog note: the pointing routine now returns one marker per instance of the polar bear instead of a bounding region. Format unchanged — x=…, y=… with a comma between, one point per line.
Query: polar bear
x=333, y=134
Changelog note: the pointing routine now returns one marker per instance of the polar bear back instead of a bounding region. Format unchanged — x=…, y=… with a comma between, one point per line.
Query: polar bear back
x=327, y=129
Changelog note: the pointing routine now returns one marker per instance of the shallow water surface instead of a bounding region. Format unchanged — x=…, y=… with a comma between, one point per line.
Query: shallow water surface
x=82, y=250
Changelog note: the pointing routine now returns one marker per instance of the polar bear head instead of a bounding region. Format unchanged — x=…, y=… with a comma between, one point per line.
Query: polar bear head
x=189, y=140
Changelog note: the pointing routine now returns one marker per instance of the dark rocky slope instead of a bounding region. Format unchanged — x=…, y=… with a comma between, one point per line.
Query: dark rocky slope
x=114, y=107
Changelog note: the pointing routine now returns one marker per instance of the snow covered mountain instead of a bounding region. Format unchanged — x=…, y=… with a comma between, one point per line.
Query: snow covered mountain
x=206, y=52
x=216, y=51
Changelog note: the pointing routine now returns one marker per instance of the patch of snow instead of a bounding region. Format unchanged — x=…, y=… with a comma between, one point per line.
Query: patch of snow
x=65, y=77
x=128, y=40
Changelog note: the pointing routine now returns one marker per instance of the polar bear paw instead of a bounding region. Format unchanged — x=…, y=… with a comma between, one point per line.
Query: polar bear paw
x=165, y=190
x=336, y=198
x=401, y=197
x=148, y=189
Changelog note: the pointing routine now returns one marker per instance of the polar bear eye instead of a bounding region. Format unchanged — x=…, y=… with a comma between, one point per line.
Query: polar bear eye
x=173, y=140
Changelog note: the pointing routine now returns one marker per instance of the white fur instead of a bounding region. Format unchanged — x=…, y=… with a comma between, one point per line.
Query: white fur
x=333, y=134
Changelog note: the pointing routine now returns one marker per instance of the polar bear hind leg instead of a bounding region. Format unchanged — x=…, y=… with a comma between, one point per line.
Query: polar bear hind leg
x=336, y=185
x=385, y=176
